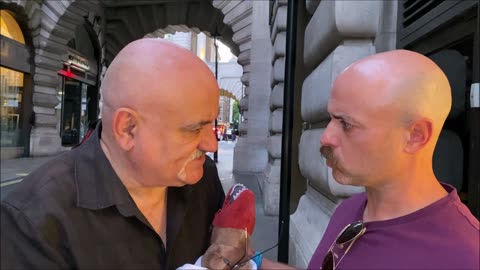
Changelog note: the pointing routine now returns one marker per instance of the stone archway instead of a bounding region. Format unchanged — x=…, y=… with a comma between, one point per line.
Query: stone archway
x=128, y=21
x=53, y=24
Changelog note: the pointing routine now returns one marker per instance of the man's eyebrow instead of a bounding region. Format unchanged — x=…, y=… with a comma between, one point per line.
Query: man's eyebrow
x=343, y=117
x=197, y=125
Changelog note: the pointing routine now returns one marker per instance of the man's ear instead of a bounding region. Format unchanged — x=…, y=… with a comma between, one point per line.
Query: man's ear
x=419, y=134
x=125, y=127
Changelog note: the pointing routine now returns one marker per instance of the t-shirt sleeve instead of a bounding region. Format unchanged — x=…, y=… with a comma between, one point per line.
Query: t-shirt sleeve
x=22, y=245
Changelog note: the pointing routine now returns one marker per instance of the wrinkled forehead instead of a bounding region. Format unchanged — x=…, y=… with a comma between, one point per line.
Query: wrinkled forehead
x=186, y=102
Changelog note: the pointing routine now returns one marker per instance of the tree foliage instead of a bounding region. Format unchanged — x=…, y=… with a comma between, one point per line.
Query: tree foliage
x=236, y=115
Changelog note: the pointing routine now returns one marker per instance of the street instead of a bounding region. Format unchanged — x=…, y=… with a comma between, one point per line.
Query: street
x=8, y=186
x=14, y=170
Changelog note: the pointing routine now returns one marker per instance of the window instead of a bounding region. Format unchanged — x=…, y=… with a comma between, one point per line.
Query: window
x=10, y=27
x=11, y=90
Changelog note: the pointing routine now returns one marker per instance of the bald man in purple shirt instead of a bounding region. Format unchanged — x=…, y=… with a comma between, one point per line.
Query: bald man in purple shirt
x=387, y=111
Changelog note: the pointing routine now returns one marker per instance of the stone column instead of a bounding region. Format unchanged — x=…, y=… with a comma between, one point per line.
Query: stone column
x=56, y=26
x=49, y=49
x=271, y=185
x=250, y=154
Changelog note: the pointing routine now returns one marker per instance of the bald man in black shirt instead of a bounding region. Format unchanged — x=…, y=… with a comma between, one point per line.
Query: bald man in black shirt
x=140, y=192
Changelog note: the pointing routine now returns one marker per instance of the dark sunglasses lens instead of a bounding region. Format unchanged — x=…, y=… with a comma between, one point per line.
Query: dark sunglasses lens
x=327, y=263
x=350, y=233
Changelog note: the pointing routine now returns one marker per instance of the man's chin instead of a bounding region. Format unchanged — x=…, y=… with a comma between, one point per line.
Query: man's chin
x=341, y=178
x=192, y=178
x=192, y=171
x=200, y=160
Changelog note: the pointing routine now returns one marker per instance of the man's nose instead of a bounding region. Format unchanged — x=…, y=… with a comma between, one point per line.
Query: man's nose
x=327, y=138
x=209, y=141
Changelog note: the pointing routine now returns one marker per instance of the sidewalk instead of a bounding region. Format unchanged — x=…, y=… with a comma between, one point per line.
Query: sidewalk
x=13, y=169
x=265, y=233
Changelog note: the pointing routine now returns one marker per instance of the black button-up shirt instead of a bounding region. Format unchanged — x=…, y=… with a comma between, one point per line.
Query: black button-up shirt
x=74, y=212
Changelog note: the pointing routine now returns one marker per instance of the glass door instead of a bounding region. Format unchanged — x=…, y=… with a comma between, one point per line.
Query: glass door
x=11, y=93
x=74, y=112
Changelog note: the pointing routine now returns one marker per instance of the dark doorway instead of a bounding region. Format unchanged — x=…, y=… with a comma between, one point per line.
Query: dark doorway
x=78, y=110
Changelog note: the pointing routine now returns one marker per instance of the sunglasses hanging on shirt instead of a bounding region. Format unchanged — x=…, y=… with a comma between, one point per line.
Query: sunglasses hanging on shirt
x=348, y=235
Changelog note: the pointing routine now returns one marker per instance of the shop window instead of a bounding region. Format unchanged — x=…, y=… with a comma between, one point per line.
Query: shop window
x=10, y=27
x=11, y=85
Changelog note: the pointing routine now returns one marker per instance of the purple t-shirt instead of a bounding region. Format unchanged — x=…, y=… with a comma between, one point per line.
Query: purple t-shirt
x=443, y=235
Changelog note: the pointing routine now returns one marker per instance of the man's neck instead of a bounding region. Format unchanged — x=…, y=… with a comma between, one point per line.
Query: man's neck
x=145, y=196
x=151, y=201
x=401, y=198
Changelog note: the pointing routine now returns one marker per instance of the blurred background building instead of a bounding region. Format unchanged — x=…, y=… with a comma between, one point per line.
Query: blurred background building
x=229, y=71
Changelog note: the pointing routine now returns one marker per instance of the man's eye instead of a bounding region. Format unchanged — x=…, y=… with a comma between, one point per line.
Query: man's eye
x=346, y=126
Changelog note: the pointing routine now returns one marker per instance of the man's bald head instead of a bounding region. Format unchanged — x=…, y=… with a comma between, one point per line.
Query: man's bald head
x=131, y=76
x=404, y=81
x=151, y=73
x=387, y=112
x=159, y=102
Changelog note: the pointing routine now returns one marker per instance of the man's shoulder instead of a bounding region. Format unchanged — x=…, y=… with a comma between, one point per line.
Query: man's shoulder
x=465, y=215
x=348, y=211
x=209, y=164
x=210, y=178
x=209, y=184
x=353, y=202
x=462, y=226
x=50, y=183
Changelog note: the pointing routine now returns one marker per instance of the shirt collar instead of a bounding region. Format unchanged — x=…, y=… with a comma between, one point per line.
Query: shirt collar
x=98, y=186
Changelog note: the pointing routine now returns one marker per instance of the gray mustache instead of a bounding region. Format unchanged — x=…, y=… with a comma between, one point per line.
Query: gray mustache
x=327, y=153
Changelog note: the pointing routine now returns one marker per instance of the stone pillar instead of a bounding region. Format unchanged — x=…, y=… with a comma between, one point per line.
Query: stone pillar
x=250, y=154
x=338, y=33
x=271, y=185
x=49, y=49
x=53, y=25
x=202, y=47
